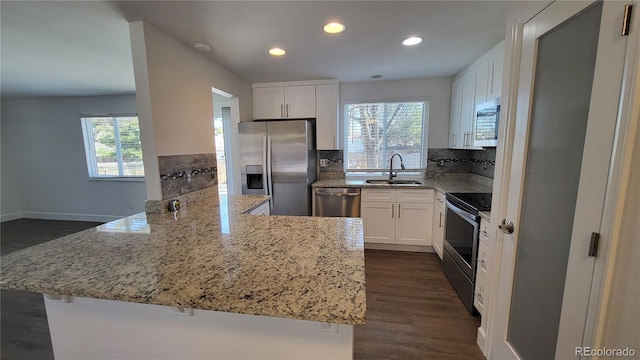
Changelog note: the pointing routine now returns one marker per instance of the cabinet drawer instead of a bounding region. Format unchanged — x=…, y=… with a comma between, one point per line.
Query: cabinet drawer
x=484, y=229
x=483, y=259
x=384, y=195
x=479, y=296
x=415, y=196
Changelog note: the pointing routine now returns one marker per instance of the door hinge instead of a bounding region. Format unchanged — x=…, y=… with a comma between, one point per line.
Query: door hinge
x=593, y=247
x=626, y=19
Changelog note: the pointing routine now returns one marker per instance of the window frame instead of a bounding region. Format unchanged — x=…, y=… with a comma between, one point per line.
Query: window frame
x=87, y=133
x=384, y=171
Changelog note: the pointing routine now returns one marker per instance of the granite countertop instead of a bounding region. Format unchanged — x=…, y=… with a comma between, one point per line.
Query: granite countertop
x=454, y=183
x=209, y=256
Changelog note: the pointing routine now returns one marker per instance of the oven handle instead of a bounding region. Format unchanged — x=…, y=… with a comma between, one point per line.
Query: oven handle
x=471, y=218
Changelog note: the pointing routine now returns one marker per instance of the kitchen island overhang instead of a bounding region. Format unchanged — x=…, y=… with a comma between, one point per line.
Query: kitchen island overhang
x=213, y=258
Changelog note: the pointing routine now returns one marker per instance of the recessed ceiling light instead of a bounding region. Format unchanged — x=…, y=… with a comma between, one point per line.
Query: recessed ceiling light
x=277, y=51
x=334, y=28
x=202, y=47
x=410, y=41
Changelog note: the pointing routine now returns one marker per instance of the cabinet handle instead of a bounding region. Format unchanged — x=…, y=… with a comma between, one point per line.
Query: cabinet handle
x=393, y=208
x=440, y=221
x=479, y=297
x=287, y=110
x=453, y=141
x=398, y=211
x=334, y=142
x=464, y=140
x=281, y=110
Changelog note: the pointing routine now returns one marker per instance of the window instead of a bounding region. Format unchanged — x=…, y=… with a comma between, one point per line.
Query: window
x=112, y=146
x=376, y=131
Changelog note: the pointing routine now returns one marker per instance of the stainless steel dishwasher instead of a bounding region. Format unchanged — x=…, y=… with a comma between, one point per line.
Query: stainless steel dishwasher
x=344, y=202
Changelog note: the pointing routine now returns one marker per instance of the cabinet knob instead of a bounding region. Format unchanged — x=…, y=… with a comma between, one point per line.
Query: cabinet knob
x=506, y=227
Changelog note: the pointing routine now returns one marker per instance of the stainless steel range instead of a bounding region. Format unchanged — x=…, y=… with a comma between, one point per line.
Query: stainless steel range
x=461, y=241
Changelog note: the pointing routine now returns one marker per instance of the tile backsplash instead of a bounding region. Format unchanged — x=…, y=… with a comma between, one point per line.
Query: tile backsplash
x=182, y=174
x=479, y=162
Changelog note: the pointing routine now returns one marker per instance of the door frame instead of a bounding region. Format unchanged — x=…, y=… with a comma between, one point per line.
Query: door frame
x=619, y=173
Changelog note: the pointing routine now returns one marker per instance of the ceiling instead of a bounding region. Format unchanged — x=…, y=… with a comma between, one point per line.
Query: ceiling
x=55, y=48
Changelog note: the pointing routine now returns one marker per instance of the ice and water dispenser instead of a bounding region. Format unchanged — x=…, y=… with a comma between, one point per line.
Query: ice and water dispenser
x=254, y=177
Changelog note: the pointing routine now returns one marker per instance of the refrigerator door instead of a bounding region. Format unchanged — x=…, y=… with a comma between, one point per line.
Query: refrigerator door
x=293, y=166
x=253, y=167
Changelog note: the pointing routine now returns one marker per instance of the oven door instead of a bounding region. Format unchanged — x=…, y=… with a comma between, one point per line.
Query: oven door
x=461, y=238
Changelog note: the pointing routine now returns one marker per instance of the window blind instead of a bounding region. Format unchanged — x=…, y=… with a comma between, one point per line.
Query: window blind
x=112, y=146
x=376, y=131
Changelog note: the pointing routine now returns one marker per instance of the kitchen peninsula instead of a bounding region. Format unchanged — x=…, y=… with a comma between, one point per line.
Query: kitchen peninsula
x=189, y=284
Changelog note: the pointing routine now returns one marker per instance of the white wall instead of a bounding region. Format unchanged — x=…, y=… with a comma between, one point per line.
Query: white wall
x=436, y=90
x=173, y=84
x=44, y=168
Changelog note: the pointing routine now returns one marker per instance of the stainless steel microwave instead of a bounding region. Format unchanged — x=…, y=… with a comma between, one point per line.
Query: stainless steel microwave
x=486, y=124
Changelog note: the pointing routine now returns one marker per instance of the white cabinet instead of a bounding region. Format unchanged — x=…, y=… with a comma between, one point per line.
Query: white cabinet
x=261, y=210
x=478, y=83
x=327, y=98
x=438, y=223
x=397, y=216
x=317, y=99
x=454, y=125
x=496, y=65
x=284, y=102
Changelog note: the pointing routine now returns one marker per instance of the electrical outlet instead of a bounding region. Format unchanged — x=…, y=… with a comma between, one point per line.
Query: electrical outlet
x=323, y=162
x=440, y=163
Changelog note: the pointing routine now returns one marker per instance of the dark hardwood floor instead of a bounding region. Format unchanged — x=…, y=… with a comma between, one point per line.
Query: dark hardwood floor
x=24, y=330
x=412, y=310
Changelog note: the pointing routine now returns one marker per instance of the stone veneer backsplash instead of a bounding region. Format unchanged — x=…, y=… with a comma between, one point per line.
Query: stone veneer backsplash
x=479, y=162
x=182, y=174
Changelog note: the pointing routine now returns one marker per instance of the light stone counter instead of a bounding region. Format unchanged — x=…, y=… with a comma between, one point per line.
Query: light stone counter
x=469, y=183
x=209, y=256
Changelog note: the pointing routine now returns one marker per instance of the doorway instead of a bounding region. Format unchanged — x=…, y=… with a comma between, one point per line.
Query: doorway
x=225, y=120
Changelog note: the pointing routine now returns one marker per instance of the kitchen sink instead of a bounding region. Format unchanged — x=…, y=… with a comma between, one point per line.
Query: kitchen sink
x=393, y=182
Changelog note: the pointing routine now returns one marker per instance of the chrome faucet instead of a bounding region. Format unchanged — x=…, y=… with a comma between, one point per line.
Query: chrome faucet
x=391, y=175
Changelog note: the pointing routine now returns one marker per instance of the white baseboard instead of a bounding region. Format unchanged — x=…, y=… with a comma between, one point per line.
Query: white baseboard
x=394, y=247
x=12, y=216
x=63, y=216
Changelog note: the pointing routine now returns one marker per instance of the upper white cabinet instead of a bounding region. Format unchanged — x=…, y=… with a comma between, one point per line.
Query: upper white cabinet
x=496, y=65
x=480, y=82
x=327, y=110
x=298, y=100
x=284, y=102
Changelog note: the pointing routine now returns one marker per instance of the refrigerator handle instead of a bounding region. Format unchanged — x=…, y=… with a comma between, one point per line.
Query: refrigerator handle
x=269, y=174
x=265, y=175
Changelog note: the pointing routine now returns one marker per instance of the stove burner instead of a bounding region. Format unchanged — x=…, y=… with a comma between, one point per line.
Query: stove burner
x=473, y=202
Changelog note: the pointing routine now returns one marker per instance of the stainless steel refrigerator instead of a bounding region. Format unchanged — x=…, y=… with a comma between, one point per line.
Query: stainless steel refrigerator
x=278, y=158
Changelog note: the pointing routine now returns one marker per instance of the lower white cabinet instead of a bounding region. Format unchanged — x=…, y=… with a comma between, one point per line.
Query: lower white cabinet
x=438, y=223
x=480, y=295
x=397, y=216
x=261, y=210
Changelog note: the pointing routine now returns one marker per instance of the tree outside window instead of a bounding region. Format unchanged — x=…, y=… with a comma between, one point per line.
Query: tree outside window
x=112, y=146
x=376, y=131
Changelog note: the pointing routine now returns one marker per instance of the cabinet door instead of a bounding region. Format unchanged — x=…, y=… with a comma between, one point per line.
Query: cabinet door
x=268, y=103
x=327, y=117
x=300, y=101
x=482, y=80
x=438, y=227
x=454, y=124
x=379, y=222
x=380, y=195
x=496, y=64
x=413, y=224
x=467, y=110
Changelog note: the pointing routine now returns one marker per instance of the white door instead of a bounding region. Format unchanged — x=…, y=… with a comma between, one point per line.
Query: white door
x=567, y=101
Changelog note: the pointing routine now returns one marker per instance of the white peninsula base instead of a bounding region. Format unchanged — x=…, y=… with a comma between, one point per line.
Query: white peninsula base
x=85, y=328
